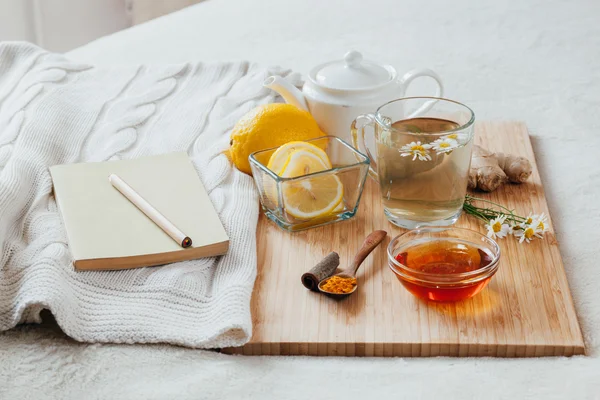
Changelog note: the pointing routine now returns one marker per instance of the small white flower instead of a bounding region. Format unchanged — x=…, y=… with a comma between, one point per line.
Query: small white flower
x=497, y=228
x=460, y=138
x=528, y=220
x=528, y=233
x=444, y=145
x=416, y=150
x=532, y=217
x=514, y=228
x=540, y=222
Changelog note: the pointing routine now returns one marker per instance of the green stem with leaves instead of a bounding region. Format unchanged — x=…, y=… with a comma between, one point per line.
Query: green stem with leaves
x=486, y=214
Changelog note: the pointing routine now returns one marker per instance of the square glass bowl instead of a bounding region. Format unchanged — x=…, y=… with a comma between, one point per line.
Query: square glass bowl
x=349, y=166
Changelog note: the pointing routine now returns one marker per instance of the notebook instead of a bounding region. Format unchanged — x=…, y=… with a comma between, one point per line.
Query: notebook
x=106, y=231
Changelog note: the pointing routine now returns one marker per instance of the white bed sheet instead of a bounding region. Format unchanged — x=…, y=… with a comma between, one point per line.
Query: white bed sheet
x=536, y=61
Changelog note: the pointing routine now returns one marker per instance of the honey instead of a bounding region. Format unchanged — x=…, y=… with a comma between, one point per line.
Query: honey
x=444, y=270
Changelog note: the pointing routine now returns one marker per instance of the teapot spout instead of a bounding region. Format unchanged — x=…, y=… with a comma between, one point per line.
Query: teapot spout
x=290, y=93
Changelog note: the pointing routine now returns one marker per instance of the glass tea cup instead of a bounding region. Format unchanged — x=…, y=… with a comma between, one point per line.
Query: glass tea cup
x=422, y=158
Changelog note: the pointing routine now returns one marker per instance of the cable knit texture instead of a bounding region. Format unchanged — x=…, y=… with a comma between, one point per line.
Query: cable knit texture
x=54, y=111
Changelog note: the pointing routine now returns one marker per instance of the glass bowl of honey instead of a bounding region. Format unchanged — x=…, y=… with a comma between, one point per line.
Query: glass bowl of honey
x=444, y=264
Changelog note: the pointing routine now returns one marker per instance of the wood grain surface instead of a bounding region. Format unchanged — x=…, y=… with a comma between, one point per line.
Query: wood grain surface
x=525, y=311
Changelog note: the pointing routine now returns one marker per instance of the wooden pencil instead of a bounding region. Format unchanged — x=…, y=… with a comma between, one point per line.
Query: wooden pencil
x=155, y=216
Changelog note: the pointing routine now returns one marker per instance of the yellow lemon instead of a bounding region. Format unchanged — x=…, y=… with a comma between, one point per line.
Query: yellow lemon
x=339, y=208
x=314, y=196
x=281, y=157
x=267, y=126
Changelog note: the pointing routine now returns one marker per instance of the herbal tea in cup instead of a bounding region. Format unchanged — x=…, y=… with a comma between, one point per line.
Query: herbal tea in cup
x=422, y=158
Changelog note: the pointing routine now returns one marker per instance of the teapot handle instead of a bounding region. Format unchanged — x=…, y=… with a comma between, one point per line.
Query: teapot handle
x=417, y=73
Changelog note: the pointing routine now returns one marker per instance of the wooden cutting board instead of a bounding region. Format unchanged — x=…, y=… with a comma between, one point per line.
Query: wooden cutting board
x=525, y=311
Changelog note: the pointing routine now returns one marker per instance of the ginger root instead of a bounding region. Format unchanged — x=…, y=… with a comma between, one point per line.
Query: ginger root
x=490, y=170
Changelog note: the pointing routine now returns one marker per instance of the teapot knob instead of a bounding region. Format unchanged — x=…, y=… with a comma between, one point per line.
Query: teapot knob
x=353, y=59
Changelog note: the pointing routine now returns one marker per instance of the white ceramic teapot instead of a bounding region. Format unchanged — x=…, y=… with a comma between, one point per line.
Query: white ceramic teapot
x=337, y=92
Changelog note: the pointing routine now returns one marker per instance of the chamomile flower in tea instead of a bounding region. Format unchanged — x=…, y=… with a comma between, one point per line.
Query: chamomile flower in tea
x=460, y=138
x=444, y=145
x=417, y=150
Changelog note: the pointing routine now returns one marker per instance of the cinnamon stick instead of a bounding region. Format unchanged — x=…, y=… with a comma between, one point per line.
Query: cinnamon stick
x=324, y=269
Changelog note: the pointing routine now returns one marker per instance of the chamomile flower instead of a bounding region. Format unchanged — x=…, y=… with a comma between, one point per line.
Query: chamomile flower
x=498, y=224
x=540, y=222
x=460, y=138
x=528, y=233
x=497, y=228
x=529, y=220
x=444, y=145
x=416, y=150
x=514, y=228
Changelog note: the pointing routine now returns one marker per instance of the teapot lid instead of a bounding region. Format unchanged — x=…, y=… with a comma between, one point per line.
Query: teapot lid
x=353, y=72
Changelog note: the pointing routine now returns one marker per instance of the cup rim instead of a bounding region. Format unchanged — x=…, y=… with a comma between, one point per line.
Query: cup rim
x=477, y=274
x=378, y=115
x=258, y=164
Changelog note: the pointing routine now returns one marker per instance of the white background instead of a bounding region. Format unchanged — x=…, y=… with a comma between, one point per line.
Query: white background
x=61, y=25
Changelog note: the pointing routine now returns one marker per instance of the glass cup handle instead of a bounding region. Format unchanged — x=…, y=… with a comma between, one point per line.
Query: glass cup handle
x=358, y=139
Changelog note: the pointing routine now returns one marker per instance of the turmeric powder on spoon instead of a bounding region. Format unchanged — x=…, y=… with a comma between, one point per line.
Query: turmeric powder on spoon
x=339, y=284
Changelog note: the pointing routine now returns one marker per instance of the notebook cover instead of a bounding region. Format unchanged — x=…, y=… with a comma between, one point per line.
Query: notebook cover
x=106, y=231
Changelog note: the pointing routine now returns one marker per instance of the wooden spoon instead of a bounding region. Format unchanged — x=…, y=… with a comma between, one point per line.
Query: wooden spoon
x=368, y=246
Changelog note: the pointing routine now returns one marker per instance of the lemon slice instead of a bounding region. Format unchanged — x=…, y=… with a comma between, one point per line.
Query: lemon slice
x=281, y=157
x=314, y=196
x=338, y=208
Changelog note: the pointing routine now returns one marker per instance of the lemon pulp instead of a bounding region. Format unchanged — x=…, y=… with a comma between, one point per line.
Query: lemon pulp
x=281, y=157
x=313, y=196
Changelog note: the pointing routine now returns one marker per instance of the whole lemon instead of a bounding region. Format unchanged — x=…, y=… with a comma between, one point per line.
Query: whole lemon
x=269, y=125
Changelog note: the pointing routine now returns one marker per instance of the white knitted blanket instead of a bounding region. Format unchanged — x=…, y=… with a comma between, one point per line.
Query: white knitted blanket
x=54, y=111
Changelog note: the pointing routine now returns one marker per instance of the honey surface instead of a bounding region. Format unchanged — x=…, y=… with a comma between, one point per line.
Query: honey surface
x=444, y=257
